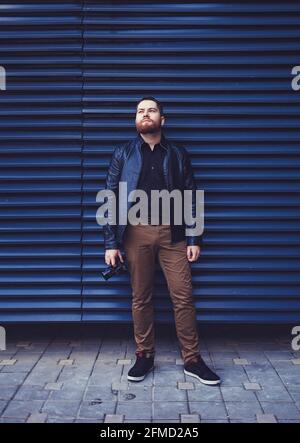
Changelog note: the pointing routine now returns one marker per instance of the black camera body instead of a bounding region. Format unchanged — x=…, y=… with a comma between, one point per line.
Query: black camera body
x=119, y=268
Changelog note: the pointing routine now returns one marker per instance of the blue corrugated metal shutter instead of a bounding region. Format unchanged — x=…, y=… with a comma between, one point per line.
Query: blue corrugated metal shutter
x=41, y=144
x=224, y=72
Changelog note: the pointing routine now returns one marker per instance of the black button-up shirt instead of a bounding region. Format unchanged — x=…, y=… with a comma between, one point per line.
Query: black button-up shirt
x=152, y=176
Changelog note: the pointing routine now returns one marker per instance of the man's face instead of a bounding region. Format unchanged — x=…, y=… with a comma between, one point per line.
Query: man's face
x=148, y=119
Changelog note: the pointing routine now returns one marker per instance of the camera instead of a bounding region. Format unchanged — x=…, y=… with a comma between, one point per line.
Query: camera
x=120, y=268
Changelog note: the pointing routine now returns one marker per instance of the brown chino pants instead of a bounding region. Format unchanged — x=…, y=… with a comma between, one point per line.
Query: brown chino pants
x=142, y=243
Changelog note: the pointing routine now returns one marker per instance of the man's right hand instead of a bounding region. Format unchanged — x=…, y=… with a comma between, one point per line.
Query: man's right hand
x=111, y=256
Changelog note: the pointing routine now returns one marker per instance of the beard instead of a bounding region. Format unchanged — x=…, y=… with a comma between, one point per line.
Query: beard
x=148, y=127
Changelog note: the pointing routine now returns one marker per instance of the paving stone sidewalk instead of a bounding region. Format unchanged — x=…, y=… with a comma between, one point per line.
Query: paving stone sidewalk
x=78, y=373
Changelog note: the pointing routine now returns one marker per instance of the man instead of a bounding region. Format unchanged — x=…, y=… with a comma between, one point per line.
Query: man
x=151, y=162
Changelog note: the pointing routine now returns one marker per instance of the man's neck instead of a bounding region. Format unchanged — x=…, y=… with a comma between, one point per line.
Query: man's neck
x=151, y=139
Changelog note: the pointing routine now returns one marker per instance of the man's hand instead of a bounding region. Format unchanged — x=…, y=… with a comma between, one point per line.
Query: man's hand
x=111, y=256
x=192, y=252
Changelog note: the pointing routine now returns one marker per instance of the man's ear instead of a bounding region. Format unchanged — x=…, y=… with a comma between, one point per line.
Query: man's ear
x=162, y=120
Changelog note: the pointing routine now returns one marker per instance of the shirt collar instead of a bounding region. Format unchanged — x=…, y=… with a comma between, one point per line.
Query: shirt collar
x=163, y=141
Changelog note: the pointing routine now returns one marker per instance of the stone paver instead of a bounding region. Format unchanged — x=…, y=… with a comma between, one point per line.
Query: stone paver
x=7, y=362
x=31, y=392
x=116, y=386
x=190, y=418
x=205, y=393
x=71, y=377
x=282, y=410
x=96, y=409
x=208, y=409
x=53, y=386
x=243, y=410
x=274, y=394
x=111, y=418
x=241, y=361
x=22, y=409
x=266, y=418
x=37, y=418
x=61, y=408
x=65, y=362
x=168, y=394
x=141, y=410
x=137, y=393
x=235, y=393
x=124, y=361
x=187, y=385
x=7, y=392
x=170, y=410
x=23, y=344
x=252, y=386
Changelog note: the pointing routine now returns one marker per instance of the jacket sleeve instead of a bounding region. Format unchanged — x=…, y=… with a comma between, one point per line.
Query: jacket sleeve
x=112, y=183
x=190, y=183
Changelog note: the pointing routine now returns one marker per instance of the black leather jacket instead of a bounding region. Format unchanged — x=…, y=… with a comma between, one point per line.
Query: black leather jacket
x=125, y=166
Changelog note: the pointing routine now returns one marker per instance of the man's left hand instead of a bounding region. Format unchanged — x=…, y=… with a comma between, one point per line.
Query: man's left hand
x=193, y=253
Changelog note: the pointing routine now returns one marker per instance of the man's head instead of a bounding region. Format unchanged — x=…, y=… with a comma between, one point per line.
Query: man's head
x=149, y=116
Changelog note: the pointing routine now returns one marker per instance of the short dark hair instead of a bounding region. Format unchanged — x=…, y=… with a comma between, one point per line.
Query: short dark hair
x=159, y=104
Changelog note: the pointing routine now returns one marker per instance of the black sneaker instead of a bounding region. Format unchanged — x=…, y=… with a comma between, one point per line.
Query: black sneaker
x=142, y=366
x=199, y=370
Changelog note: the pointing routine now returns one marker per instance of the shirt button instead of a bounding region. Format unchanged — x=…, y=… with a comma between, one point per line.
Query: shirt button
x=152, y=167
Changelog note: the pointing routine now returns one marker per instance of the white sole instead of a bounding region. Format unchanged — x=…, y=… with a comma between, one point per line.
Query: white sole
x=130, y=377
x=205, y=382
